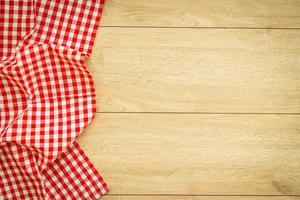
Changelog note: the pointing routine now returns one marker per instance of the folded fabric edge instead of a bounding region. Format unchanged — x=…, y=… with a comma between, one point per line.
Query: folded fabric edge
x=73, y=175
x=85, y=166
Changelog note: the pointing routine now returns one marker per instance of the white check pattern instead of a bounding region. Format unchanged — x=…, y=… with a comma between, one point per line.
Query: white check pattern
x=47, y=97
x=16, y=19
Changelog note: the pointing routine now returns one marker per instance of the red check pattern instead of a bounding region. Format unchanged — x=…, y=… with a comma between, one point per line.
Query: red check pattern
x=47, y=97
x=16, y=19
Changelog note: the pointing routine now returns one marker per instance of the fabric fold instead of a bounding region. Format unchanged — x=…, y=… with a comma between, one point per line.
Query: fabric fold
x=47, y=98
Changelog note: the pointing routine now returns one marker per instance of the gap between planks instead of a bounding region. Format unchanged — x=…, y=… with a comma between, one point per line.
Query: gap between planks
x=199, y=113
x=171, y=197
x=206, y=195
x=203, y=27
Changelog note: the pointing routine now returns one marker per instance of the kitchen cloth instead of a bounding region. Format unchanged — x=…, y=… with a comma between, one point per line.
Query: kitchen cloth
x=47, y=97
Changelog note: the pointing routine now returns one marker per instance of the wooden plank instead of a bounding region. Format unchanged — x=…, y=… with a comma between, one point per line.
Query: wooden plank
x=131, y=197
x=203, y=13
x=211, y=154
x=197, y=70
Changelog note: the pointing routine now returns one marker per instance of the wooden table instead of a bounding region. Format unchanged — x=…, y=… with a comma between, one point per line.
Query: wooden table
x=197, y=99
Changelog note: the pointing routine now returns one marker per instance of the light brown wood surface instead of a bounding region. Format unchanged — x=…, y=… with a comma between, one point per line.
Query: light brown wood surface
x=131, y=197
x=197, y=70
x=196, y=154
x=197, y=99
x=203, y=13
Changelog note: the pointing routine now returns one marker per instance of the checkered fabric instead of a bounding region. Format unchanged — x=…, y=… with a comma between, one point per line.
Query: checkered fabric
x=47, y=97
x=16, y=20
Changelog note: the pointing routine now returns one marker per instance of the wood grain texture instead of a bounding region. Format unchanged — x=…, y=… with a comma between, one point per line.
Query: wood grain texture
x=128, y=197
x=197, y=56
x=197, y=70
x=203, y=13
x=196, y=154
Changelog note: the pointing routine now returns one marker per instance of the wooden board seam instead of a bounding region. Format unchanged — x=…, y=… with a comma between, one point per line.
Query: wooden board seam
x=201, y=113
x=204, y=27
x=206, y=195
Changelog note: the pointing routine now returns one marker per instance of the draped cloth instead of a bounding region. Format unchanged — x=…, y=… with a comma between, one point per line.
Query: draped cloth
x=47, y=98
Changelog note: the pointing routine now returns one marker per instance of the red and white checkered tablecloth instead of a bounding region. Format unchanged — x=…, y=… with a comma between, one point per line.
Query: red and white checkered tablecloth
x=47, y=97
